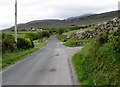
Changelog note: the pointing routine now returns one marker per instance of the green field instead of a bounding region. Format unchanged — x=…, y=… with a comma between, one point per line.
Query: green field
x=79, y=30
x=22, y=34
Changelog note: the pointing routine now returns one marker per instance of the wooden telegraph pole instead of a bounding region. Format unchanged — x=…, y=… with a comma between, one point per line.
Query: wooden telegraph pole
x=16, y=21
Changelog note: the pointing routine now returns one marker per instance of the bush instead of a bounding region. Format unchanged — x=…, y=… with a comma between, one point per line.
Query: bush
x=102, y=37
x=8, y=42
x=115, y=41
x=24, y=43
x=53, y=31
x=40, y=35
x=44, y=33
x=32, y=36
x=60, y=31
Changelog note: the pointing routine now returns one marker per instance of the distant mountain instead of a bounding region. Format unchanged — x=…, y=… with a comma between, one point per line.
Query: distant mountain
x=66, y=23
x=70, y=18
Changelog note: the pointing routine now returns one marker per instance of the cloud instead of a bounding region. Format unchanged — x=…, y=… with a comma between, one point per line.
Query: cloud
x=29, y=10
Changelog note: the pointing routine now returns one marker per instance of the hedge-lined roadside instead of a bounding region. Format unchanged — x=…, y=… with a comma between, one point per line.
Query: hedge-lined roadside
x=26, y=42
x=9, y=58
x=98, y=63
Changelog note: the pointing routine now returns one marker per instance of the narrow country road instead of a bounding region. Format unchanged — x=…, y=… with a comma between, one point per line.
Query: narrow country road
x=47, y=66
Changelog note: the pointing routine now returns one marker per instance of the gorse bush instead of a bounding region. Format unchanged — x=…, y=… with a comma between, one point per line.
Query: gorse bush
x=24, y=43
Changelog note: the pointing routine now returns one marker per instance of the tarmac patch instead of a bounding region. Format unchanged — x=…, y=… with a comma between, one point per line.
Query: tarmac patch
x=57, y=54
x=52, y=70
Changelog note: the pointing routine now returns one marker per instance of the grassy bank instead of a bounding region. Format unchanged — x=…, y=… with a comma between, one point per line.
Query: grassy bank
x=97, y=64
x=61, y=38
x=74, y=42
x=9, y=58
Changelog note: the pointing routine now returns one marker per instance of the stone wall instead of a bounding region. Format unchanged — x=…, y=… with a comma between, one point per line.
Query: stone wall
x=110, y=26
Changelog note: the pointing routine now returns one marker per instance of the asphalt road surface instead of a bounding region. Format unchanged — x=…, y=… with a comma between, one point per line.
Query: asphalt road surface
x=47, y=66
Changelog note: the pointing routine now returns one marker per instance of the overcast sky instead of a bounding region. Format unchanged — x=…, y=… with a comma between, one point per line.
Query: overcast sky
x=29, y=10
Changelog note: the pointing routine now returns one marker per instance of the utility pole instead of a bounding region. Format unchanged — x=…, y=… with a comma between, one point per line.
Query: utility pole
x=16, y=21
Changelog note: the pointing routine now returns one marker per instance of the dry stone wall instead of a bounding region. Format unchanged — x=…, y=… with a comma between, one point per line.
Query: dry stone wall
x=110, y=26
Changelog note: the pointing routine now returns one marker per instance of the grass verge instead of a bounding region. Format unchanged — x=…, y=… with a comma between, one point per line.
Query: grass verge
x=61, y=38
x=74, y=42
x=9, y=58
x=97, y=65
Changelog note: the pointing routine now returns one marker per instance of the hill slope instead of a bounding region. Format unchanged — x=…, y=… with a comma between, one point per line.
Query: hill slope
x=95, y=18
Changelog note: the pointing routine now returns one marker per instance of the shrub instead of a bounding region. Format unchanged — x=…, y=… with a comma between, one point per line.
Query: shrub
x=40, y=35
x=115, y=41
x=24, y=43
x=8, y=42
x=102, y=37
x=32, y=36
x=44, y=33
x=60, y=31
x=52, y=31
